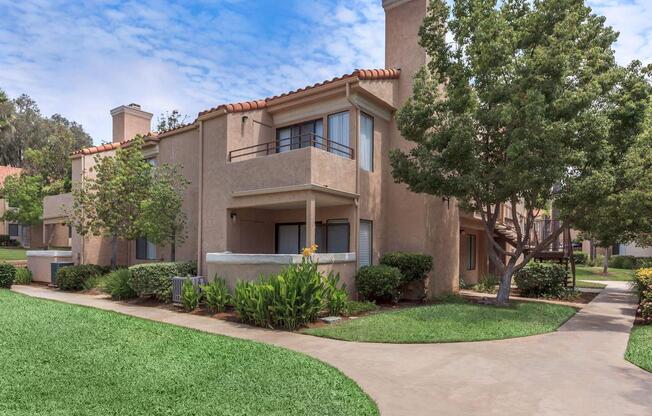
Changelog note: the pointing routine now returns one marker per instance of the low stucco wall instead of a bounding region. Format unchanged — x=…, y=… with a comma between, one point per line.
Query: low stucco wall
x=249, y=267
x=38, y=262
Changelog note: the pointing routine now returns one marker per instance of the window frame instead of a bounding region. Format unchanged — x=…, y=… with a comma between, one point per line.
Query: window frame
x=373, y=129
x=471, y=251
x=331, y=149
x=147, y=245
x=371, y=241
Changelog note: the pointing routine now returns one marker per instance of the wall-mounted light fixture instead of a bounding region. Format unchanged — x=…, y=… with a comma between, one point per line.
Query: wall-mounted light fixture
x=234, y=217
x=447, y=200
x=244, y=119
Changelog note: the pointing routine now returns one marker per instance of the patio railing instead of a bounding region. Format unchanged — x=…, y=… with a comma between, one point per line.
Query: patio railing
x=293, y=143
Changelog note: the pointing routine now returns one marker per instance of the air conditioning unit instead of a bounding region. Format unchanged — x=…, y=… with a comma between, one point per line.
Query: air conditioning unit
x=54, y=268
x=177, y=285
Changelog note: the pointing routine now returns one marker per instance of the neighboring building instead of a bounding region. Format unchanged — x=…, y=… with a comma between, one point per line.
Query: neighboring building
x=271, y=176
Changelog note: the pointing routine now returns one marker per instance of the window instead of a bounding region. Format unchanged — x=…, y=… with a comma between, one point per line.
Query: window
x=13, y=230
x=366, y=142
x=300, y=135
x=365, y=243
x=470, y=251
x=338, y=133
x=145, y=249
x=330, y=237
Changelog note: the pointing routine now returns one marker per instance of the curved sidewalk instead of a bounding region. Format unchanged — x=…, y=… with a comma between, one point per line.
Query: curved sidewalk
x=578, y=370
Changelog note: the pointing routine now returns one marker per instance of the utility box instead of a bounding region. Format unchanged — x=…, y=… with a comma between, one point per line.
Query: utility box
x=54, y=268
x=177, y=285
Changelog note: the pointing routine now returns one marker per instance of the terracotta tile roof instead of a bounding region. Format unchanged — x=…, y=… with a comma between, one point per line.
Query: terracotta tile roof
x=97, y=149
x=8, y=171
x=361, y=74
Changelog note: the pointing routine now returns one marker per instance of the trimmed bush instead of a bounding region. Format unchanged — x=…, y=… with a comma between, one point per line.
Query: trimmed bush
x=413, y=266
x=541, y=280
x=116, y=284
x=643, y=281
x=216, y=295
x=623, y=262
x=23, y=276
x=155, y=279
x=379, y=283
x=7, y=275
x=73, y=278
x=580, y=257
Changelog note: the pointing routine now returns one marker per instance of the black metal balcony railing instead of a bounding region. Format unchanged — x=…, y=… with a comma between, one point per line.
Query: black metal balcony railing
x=292, y=143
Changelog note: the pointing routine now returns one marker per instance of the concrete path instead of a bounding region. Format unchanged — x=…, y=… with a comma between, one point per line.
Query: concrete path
x=578, y=370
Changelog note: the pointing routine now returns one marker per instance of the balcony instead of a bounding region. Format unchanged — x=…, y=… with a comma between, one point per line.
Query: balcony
x=303, y=160
x=292, y=143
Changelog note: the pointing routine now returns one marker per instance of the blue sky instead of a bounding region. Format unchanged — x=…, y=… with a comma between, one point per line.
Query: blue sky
x=82, y=58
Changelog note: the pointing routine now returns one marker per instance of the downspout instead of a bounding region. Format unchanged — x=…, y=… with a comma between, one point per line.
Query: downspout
x=82, y=259
x=356, y=217
x=201, y=198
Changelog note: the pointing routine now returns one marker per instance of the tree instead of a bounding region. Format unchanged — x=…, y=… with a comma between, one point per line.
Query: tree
x=163, y=220
x=168, y=121
x=6, y=112
x=24, y=195
x=125, y=197
x=108, y=202
x=519, y=109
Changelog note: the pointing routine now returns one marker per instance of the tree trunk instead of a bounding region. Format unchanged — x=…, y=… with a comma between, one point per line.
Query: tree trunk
x=114, y=251
x=173, y=250
x=502, y=298
x=605, y=264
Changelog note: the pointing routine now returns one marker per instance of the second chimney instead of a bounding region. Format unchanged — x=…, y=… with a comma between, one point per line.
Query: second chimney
x=130, y=120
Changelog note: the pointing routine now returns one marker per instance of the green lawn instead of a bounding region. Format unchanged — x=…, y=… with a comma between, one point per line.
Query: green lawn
x=60, y=359
x=595, y=273
x=450, y=321
x=639, y=349
x=590, y=285
x=12, y=254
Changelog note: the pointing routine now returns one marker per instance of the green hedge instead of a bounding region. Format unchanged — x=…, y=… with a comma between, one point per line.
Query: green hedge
x=73, y=277
x=155, y=279
x=623, y=262
x=580, y=257
x=541, y=279
x=413, y=266
x=379, y=282
x=7, y=275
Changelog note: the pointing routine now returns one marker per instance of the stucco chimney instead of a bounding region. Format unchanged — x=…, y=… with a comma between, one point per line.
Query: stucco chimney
x=130, y=120
x=403, y=18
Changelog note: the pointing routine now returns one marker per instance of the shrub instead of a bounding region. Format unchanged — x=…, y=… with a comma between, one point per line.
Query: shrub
x=644, y=262
x=413, y=266
x=23, y=276
x=487, y=284
x=623, y=262
x=116, y=284
x=541, y=279
x=335, y=297
x=7, y=275
x=643, y=281
x=580, y=257
x=379, y=283
x=354, y=307
x=216, y=295
x=155, y=279
x=74, y=277
x=288, y=300
x=598, y=261
x=190, y=295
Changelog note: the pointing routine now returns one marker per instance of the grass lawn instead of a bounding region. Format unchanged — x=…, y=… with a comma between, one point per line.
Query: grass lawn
x=450, y=321
x=595, y=273
x=12, y=254
x=639, y=349
x=60, y=359
x=590, y=285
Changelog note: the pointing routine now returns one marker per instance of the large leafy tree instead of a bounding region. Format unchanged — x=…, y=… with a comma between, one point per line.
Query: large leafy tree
x=123, y=197
x=24, y=195
x=520, y=109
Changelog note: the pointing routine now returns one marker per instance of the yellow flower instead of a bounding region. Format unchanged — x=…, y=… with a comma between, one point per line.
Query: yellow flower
x=306, y=252
x=309, y=251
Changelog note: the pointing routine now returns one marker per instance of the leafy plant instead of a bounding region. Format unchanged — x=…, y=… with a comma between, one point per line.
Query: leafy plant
x=413, y=266
x=216, y=295
x=487, y=284
x=335, y=297
x=116, y=284
x=580, y=257
x=379, y=283
x=7, y=275
x=23, y=276
x=542, y=279
x=190, y=295
x=623, y=262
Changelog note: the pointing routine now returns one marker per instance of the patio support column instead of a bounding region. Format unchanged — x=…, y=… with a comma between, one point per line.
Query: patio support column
x=310, y=221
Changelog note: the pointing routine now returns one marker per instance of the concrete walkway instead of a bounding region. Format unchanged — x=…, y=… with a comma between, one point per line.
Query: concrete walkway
x=578, y=370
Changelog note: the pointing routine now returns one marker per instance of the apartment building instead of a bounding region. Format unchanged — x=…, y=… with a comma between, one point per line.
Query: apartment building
x=271, y=176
